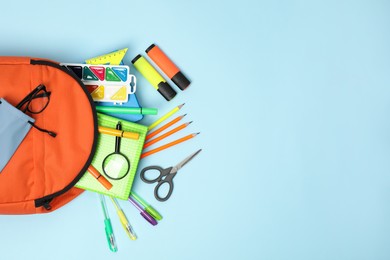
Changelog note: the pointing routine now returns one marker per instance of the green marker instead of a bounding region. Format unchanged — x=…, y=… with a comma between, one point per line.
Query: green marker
x=148, y=208
x=127, y=110
x=154, y=78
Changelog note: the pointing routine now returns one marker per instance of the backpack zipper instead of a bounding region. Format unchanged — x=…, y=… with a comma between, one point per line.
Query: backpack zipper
x=46, y=204
x=52, y=134
x=45, y=201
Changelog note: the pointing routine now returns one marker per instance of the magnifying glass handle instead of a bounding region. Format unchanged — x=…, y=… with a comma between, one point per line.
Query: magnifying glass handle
x=118, y=139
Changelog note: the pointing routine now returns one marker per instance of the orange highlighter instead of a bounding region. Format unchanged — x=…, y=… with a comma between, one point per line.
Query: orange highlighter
x=167, y=66
x=95, y=173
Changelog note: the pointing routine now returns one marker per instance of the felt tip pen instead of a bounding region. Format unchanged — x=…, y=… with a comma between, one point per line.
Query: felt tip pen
x=127, y=110
x=100, y=178
x=119, y=133
x=108, y=227
x=143, y=212
x=148, y=208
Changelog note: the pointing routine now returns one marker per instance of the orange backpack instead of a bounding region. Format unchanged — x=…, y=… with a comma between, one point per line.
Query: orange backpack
x=41, y=174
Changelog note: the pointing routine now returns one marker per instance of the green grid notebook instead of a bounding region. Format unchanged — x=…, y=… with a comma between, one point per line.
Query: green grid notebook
x=106, y=145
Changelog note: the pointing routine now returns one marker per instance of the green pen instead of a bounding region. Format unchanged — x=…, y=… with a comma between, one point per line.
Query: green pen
x=108, y=227
x=127, y=110
x=148, y=208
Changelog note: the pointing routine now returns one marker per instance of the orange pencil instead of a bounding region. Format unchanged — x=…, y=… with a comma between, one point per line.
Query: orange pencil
x=100, y=178
x=165, y=146
x=174, y=130
x=177, y=119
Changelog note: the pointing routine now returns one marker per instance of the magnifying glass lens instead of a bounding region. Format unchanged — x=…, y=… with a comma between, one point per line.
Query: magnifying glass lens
x=116, y=166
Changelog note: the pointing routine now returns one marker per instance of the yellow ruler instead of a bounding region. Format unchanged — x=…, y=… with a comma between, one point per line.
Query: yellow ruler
x=112, y=58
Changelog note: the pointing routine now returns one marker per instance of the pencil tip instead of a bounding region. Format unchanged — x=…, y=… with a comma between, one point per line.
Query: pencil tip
x=190, y=122
x=180, y=106
x=197, y=133
x=184, y=115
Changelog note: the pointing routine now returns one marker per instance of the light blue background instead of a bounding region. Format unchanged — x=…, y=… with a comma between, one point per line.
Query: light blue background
x=292, y=100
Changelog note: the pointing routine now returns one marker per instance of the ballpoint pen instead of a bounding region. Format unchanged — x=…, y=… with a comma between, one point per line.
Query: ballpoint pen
x=108, y=227
x=125, y=223
x=143, y=213
x=148, y=208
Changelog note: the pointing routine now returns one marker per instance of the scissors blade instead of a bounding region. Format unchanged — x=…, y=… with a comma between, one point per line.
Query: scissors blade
x=185, y=161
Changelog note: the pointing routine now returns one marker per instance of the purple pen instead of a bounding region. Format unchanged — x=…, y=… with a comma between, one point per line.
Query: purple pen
x=143, y=213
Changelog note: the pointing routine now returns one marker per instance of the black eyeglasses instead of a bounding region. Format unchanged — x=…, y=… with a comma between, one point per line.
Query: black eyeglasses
x=36, y=101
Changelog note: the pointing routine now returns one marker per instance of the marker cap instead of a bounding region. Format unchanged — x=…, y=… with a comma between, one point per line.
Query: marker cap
x=181, y=81
x=166, y=91
x=149, y=111
x=154, y=213
x=148, y=218
x=105, y=183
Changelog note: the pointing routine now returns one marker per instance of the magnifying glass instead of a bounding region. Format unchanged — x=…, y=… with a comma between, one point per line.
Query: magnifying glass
x=116, y=165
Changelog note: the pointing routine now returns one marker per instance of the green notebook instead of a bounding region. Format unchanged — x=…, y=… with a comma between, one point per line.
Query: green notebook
x=105, y=145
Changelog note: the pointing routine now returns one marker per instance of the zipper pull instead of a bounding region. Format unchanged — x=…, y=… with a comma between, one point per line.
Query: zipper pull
x=46, y=204
x=52, y=134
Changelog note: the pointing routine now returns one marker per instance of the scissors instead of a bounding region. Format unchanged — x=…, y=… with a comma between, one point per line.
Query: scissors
x=166, y=176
